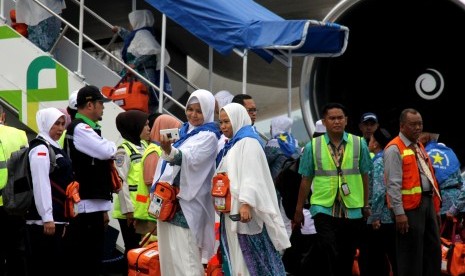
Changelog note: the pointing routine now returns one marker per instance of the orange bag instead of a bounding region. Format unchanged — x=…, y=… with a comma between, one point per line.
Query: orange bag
x=144, y=261
x=19, y=27
x=221, y=194
x=129, y=93
x=116, y=180
x=164, y=203
x=72, y=198
x=453, y=253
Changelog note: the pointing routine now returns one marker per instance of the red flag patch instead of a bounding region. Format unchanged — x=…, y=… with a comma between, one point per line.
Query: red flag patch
x=41, y=153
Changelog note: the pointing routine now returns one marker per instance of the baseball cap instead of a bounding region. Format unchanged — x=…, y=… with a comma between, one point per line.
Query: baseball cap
x=90, y=93
x=369, y=116
x=72, y=101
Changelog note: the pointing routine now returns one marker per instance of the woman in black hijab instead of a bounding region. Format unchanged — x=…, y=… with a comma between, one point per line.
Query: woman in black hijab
x=129, y=208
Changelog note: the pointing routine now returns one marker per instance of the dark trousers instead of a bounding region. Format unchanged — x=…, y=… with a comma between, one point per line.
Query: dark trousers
x=12, y=245
x=131, y=240
x=301, y=256
x=377, y=251
x=337, y=240
x=46, y=253
x=84, y=241
x=419, y=250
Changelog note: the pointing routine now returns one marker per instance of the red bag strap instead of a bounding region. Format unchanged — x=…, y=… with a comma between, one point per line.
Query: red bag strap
x=128, y=77
x=147, y=237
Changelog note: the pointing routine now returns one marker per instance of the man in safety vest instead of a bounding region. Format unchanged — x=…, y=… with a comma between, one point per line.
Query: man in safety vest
x=414, y=197
x=13, y=228
x=338, y=164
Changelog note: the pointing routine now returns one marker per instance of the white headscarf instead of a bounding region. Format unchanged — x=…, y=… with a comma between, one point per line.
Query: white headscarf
x=238, y=116
x=45, y=119
x=223, y=98
x=141, y=18
x=207, y=104
x=280, y=124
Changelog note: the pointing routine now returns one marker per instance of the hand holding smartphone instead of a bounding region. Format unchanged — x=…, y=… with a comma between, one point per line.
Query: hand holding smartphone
x=236, y=217
x=171, y=133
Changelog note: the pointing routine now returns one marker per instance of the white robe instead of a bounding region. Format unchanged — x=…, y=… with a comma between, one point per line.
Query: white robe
x=197, y=169
x=251, y=182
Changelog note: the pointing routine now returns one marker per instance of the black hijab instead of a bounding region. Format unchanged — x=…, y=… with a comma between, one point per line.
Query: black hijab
x=130, y=124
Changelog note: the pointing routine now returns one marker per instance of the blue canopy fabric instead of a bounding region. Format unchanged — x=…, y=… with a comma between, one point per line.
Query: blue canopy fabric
x=243, y=24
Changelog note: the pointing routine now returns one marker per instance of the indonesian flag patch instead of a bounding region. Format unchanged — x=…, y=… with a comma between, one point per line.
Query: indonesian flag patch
x=41, y=153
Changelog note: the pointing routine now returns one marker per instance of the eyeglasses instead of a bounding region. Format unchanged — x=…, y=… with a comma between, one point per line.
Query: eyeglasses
x=252, y=110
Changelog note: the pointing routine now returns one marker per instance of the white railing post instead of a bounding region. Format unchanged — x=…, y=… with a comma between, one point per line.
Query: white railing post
x=81, y=31
x=162, y=64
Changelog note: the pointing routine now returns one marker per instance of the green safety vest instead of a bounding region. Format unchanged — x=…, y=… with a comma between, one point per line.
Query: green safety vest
x=134, y=179
x=143, y=191
x=11, y=140
x=327, y=181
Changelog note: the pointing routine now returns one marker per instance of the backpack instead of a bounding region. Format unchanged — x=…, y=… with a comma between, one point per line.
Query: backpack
x=288, y=184
x=18, y=193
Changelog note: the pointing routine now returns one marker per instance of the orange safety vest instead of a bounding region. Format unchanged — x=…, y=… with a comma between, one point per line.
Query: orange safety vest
x=411, y=181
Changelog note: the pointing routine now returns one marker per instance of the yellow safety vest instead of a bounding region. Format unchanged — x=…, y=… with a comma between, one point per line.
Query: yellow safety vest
x=327, y=182
x=143, y=191
x=11, y=140
x=134, y=178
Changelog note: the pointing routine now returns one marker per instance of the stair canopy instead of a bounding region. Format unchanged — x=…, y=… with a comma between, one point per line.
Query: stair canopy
x=245, y=25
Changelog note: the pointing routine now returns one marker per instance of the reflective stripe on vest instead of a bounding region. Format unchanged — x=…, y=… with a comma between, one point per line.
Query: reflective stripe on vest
x=327, y=181
x=133, y=179
x=143, y=191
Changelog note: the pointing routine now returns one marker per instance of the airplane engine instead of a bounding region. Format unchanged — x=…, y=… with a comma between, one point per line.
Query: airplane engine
x=400, y=54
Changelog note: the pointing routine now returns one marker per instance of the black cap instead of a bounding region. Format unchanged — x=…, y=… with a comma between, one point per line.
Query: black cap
x=369, y=116
x=382, y=136
x=90, y=93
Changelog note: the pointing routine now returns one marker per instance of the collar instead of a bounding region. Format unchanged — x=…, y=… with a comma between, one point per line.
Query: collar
x=345, y=137
x=88, y=121
x=405, y=140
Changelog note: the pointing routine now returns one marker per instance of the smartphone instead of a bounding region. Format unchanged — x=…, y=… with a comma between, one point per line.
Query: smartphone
x=171, y=133
x=236, y=217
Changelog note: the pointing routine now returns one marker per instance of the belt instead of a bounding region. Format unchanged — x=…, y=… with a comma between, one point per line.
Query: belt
x=427, y=193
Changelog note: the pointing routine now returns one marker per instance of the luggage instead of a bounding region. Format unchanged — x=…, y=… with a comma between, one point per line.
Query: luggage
x=221, y=193
x=453, y=252
x=164, y=203
x=129, y=93
x=144, y=261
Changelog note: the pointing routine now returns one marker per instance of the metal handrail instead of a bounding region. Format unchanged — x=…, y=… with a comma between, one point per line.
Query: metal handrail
x=113, y=39
x=122, y=63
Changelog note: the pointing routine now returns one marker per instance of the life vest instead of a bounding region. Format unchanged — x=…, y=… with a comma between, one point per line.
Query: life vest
x=143, y=191
x=11, y=139
x=327, y=181
x=411, y=180
x=133, y=179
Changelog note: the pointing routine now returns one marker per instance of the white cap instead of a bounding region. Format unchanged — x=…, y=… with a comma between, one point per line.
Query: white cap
x=319, y=127
x=72, y=102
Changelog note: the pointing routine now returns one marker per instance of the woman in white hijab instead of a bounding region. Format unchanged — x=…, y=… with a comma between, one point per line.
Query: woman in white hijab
x=142, y=52
x=251, y=245
x=46, y=219
x=188, y=239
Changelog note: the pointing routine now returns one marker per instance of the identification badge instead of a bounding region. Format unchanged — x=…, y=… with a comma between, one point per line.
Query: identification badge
x=345, y=189
x=155, y=206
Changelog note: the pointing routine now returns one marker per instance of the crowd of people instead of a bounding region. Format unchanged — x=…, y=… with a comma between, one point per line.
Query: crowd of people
x=377, y=194
x=377, y=198
x=380, y=195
